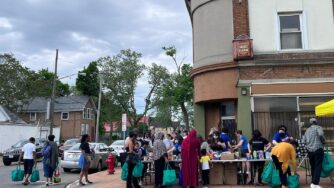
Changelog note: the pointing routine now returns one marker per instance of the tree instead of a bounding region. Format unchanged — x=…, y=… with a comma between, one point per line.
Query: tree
x=14, y=84
x=121, y=73
x=179, y=88
x=42, y=85
x=88, y=83
x=19, y=83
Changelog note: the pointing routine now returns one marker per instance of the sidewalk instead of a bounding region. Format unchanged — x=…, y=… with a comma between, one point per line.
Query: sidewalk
x=103, y=180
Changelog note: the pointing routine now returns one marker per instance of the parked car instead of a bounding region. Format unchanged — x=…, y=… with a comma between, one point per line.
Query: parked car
x=72, y=155
x=118, y=147
x=12, y=154
x=67, y=145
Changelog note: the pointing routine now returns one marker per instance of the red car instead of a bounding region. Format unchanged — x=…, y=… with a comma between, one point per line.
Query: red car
x=67, y=145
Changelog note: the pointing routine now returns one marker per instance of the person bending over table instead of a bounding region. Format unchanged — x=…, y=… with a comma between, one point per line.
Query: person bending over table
x=258, y=143
x=282, y=154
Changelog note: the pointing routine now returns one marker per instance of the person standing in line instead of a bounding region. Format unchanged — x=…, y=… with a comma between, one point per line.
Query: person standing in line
x=205, y=168
x=258, y=143
x=160, y=158
x=227, y=140
x=282, y=154
x=50, y=159
x=132, y=159
x=190, y=156
x=314, y=142
x=85, y=159
x=29, y=155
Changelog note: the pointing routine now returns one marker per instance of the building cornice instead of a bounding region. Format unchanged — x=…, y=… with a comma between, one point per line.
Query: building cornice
x=214, y=67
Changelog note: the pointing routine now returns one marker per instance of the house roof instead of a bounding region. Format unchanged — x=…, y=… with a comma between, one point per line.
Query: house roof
x=62, y=104
x=8, y=116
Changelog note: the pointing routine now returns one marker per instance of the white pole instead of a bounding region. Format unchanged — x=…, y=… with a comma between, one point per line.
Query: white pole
x=98, y=112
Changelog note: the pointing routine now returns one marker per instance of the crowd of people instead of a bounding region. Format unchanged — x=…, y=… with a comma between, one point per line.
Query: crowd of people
x=194, y=151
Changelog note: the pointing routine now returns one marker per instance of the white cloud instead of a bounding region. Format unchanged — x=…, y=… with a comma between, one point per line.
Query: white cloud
x=5, y=23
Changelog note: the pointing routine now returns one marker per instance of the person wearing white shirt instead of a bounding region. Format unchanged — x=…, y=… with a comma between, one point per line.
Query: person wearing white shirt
x=29, y=154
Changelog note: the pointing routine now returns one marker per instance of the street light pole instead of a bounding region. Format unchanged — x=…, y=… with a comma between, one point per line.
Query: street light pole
x=52, y=103
x=98, y=112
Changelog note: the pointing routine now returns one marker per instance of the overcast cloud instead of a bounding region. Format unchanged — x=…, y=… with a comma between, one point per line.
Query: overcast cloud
x=84, y=30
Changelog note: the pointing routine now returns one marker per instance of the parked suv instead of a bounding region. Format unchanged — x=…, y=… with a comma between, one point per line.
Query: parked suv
x=12, y=154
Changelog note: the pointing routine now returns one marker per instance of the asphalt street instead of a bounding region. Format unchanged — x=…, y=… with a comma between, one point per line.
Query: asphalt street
x=5, y=181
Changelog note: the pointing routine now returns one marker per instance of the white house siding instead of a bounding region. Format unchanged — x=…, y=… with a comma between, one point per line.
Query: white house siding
x=317, y=20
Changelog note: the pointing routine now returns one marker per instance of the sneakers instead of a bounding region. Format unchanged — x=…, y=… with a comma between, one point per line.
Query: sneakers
x=315, y=186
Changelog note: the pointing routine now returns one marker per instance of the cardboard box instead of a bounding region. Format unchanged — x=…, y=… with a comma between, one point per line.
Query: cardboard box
x=230, y=173
x=216, y=174
x=229, y=156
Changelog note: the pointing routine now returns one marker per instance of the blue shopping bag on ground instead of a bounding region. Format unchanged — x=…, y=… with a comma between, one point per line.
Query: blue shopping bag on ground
x=267, y=172
x=169, y=176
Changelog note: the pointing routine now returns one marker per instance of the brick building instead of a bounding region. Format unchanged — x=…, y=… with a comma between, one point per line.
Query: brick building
x=75, y=115
x=279, y=67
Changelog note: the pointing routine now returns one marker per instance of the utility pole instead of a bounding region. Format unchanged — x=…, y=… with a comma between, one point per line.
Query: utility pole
x=98, y=111
x=52, y=103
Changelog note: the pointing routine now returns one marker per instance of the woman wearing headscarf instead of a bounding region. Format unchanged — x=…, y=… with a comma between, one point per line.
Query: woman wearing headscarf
x=159, y=156
x=50, y=159
x=190, y=156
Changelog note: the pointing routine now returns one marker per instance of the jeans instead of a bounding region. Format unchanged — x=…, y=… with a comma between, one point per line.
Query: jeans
x=130, y=179
x=205, y=177
x=283, y=176
x=159, y=166
x=316, y=159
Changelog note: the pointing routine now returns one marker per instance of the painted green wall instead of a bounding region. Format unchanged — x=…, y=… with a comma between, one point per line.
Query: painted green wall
x=199, y=119
x=244, y=111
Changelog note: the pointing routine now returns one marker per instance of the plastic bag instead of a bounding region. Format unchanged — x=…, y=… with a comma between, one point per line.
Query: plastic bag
x=34, y=175
x=17, y=174
x=267, y=172
x=169, y=177
x=293, y=181
x=327, y=163
x=138, y=170
x=124, y=175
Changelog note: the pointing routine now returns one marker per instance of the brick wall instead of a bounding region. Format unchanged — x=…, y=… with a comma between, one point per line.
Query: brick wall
x=240, y=18
x=287, y=72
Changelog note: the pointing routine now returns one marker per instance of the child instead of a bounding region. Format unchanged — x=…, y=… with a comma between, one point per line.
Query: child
x=205, y=168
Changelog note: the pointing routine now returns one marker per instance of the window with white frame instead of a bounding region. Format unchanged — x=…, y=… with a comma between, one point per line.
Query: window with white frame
x=65, y=116
x=88, y=113
x=291, y=33
x=84, y=129
x=33, y=116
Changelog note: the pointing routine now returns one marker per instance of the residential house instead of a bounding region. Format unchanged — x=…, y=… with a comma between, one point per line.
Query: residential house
x=75, y=115
x=262, y=63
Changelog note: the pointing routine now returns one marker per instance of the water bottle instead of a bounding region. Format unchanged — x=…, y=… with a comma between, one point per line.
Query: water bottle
x=254, y=155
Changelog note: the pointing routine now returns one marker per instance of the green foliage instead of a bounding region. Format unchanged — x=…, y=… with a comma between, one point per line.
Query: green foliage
x=88, y=83
x=18, y=83
x=121, y=73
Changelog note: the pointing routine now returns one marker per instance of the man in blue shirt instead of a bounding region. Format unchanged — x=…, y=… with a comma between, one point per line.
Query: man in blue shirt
x=224, y=136
x=243, y=145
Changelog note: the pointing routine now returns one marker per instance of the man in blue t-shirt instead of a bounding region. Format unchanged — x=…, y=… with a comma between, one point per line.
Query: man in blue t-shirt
x=243, y=145
x=281, y=136
x=226, y=139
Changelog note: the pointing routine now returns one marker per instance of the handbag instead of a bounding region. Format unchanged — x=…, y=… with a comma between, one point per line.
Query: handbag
x=169, y=176
x=57, y=178
x=138, y=170
x=267, y=172
x=293, y=181
x=17, y=174
x=124, y=175
x=35, y=174
x=327, y=163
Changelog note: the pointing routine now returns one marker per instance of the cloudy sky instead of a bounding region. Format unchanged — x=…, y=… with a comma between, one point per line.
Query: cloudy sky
x=84, y=30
